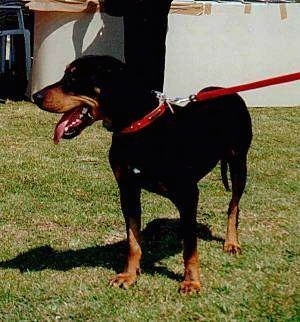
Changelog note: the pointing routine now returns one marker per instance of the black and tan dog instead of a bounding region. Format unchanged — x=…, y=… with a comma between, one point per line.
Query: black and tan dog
x=163, y=148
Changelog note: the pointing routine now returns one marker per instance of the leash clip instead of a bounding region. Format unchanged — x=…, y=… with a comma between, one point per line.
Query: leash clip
x=160, y=96
x=163, y=99
x=193, y=98
x=181, y=101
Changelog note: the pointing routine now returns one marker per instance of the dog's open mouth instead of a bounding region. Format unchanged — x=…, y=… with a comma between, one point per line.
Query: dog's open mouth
x=72, y=123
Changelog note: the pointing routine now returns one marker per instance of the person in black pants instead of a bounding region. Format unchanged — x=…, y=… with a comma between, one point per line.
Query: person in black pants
x=145, y=29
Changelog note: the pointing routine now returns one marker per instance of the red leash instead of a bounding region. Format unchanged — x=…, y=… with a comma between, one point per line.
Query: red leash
x=201, y=96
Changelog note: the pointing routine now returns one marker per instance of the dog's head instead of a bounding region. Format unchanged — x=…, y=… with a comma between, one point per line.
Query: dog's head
x=82, y=94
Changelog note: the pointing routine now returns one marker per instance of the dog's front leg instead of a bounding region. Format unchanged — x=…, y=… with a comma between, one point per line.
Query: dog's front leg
x=186, y=201
x=131, y=207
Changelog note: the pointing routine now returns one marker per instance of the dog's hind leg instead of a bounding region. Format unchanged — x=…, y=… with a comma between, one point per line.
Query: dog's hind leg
x=238, y=174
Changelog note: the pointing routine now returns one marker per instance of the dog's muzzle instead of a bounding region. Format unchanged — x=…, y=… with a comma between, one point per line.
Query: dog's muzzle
x=78, y=111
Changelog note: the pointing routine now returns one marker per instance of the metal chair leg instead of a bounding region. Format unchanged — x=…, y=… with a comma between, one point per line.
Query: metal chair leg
x=2, y=54
x=27, y=53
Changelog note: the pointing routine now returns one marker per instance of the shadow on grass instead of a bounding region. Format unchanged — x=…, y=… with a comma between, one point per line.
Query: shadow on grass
x=160, y=240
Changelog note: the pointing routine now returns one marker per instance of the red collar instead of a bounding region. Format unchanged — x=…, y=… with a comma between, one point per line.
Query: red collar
x=146, y=120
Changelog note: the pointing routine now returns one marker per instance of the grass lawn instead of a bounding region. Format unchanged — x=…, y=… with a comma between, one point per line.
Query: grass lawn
x=62, y=232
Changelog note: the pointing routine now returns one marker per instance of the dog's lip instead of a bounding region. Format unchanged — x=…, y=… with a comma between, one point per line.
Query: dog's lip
x=73, y=122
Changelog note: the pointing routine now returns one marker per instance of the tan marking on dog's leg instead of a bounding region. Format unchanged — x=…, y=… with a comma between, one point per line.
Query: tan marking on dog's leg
x=132, y=268
x=191, y=283
x=231, y=244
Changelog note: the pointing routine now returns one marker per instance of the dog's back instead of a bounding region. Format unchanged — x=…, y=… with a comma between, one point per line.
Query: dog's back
x=192, y=140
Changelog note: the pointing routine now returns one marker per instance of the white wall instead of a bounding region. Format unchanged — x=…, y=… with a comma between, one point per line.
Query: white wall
x=229, y=47
x=225, y=48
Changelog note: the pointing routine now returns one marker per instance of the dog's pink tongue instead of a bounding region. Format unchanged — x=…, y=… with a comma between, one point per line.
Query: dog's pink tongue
x=66, y=119
x=59, y=131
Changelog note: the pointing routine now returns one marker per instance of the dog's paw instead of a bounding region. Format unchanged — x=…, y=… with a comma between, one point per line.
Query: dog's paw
x=189, y=287
x=232, y=248
x=123, y=280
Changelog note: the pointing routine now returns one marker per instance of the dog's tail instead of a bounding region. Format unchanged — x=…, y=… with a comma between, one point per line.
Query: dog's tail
x=224, y=170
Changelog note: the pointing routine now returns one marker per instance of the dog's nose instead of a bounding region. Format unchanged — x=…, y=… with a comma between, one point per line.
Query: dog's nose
x=38, y=99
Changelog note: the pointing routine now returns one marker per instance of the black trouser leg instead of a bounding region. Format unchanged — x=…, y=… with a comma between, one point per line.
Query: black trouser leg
x=145, y=29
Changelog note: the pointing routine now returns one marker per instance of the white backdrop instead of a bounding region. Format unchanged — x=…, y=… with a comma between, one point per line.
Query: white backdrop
x=229, y=47
x=222, y=47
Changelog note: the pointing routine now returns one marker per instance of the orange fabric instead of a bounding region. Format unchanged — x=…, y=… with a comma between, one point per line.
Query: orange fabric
x=65, y=5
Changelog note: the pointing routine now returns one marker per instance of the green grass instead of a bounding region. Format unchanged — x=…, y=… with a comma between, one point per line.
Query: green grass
x=62, y=232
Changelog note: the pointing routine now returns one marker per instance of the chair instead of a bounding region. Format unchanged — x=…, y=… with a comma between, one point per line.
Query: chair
x=11, y=24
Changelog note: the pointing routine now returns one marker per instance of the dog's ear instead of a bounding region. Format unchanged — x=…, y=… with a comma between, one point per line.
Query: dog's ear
x=110, y=74
x=107, y=65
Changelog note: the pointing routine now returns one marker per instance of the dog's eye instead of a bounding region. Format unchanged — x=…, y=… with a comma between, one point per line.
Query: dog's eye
x=76, y=82
x=72, y=69
x=70, y=82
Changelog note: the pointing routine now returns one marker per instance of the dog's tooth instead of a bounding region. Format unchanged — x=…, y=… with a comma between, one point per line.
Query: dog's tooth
x=84, y=110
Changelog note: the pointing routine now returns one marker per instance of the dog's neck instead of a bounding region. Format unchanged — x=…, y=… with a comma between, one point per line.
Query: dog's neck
x=122, y=109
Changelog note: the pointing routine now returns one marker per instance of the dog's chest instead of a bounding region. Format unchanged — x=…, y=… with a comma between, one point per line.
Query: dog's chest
x=146, y=164
x=152, y=167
